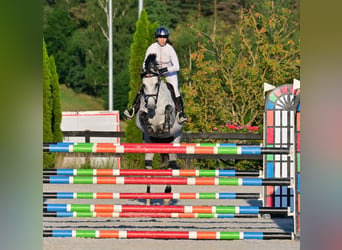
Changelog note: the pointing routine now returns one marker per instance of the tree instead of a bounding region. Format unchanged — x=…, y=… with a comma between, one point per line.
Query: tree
x=57, y=33
x=52, y=112
x=226, y=81
x=47, y=107
x=124, y=20
x=48, y=158
x=159, y=11
x=56, y=114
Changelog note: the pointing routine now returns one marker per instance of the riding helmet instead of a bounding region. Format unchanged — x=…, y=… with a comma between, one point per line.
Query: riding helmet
x=162, y=32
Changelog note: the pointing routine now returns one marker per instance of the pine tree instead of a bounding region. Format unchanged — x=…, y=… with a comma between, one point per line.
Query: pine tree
x=47, y=107
x=56, y=114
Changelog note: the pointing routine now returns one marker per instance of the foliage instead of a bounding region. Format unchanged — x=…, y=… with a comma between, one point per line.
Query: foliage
x=57, y=33
x=77, y=36
x=52, y=113
x=160, y=12
x=56, y=115
x=47, y=107
x=226, y=82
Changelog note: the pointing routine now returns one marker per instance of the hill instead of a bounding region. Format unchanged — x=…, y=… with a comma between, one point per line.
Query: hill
x=72, y=101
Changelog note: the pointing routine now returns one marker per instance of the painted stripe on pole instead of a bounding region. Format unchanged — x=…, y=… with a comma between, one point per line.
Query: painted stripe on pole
x=190, y=150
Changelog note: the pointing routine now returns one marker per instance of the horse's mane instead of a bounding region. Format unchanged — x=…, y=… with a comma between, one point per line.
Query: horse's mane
x=150, y=66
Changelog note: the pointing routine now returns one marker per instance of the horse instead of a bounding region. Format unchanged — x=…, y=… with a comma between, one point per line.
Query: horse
x=157, y=117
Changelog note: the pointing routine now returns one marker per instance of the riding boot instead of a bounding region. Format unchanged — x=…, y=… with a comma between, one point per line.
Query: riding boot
x=182, y=115
x=178, y=103
x=135, y=106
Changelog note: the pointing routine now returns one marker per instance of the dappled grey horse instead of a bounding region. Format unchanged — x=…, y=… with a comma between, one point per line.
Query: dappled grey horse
x=157, y=116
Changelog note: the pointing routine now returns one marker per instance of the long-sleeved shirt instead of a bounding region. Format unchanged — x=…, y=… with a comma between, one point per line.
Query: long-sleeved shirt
x=166, y=57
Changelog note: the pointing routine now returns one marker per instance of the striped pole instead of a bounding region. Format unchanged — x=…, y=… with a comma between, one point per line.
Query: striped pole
x=199, y=235
x=156, y=148
x=162, y=209
x=66, y=144
x=153, y=172
x=167, y=180
x=147, y=215
x=178, y=196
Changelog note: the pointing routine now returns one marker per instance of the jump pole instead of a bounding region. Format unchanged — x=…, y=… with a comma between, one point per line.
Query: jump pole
x=192, y=235
x=153, y=172
x=163, y=209
x=212, y=181
x=147, y=215
x=155, y=148
x=175, y=196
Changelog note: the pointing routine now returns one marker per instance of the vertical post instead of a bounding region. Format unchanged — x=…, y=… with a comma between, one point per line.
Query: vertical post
x=110, y=57
x=141, y=5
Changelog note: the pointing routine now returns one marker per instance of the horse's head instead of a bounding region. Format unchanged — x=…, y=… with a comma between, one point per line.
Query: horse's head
x=151, y=84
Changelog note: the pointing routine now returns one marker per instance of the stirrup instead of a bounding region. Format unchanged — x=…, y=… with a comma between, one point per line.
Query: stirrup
x=182, y=118
x=129, y=116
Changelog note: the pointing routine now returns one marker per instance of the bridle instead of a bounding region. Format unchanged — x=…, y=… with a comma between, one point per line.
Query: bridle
x=154, y=96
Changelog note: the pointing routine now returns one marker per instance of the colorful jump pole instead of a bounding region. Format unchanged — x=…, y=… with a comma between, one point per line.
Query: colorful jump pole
x=167, y=145
x=162, y=209
x=147, y=215
x=199, y=235
x=178, y=196
x=167, y=180
x=153, y=172
x=156, y=148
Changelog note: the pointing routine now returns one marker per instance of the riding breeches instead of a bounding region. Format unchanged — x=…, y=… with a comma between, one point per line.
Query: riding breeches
x=172, y=78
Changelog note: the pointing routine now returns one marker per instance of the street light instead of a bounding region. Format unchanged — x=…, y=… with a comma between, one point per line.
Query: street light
x=110, y=55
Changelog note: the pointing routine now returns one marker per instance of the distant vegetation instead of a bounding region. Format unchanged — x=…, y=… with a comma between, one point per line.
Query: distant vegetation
x=72, y=101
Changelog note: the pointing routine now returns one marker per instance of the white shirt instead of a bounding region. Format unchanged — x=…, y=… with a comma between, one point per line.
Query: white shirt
x=166, y=57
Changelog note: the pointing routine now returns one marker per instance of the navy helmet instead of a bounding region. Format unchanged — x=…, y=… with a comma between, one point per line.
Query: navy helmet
x=162, y=32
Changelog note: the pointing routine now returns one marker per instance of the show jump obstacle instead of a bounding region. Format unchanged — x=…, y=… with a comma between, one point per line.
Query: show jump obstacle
x=280, y=180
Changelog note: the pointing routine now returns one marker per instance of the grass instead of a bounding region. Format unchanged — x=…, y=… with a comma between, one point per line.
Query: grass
x=72, y=101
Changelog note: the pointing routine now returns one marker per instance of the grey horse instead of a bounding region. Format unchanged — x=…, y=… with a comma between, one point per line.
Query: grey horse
x=157, y=117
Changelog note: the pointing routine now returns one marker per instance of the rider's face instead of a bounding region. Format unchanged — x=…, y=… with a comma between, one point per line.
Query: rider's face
x=161, y=40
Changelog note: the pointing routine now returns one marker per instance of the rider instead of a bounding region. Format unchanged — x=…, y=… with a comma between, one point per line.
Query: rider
x=169, y=65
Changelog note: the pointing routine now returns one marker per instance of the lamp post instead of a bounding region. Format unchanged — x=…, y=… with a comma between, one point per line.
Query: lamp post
x=110, y=58
x=141, y=5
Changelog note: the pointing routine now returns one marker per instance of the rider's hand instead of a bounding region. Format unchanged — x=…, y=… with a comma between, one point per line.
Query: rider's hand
x=162, y=71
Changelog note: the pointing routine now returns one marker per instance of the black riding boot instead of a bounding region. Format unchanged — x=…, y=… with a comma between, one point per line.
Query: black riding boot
x=178, y=103
x=182, y=115
x=135, y=106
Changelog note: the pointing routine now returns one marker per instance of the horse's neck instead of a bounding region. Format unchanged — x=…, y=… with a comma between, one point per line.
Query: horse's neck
x=164, y=93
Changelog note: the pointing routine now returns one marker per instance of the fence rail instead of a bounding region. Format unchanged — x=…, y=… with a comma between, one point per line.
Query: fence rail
x=186, y=137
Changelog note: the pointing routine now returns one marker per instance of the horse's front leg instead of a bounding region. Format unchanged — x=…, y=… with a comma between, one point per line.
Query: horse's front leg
x=168, y=112
x=148, y=165
x=172, y=165
x=147, y=126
